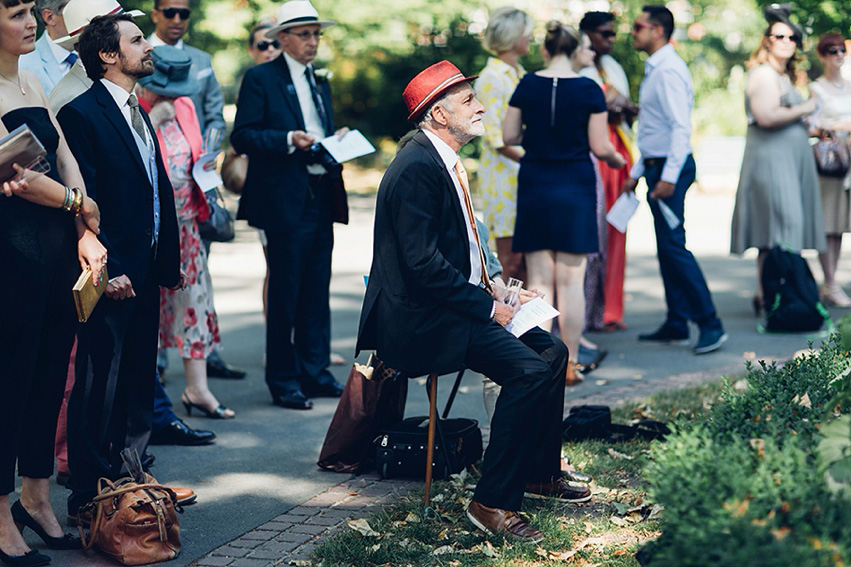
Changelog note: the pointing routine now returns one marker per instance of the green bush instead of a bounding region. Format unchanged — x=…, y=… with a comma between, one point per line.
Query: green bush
x=747, y=486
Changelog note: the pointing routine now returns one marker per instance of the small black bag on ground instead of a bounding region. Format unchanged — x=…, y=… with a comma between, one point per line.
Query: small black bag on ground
x=790, y=293
x=401, y=449
x=595, y=422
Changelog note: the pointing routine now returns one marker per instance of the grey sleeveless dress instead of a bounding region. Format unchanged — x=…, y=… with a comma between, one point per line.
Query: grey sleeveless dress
x=778, y=200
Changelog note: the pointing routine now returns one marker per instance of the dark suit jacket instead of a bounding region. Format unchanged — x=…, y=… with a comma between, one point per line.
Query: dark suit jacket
x=419, y=309
x=115, y=177
x=267, y=110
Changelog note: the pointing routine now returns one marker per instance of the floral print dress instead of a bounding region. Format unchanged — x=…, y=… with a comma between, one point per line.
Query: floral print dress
x=187, y=317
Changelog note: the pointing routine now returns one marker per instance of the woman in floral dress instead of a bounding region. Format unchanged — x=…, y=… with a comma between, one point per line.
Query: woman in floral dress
x=188, y=319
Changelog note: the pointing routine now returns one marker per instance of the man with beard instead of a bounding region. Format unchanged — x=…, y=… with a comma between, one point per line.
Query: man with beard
x=112, y=139
x=430, y=306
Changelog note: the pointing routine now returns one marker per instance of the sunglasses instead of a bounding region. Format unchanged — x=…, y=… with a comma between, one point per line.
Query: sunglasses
x=638, y=26
x=781, y=37
x=264, y=45
x=170, y=13
x=306, y=35
x=608, y=34
x=836, y=51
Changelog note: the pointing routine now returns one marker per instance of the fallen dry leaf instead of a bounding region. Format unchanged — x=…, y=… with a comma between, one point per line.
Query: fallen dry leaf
x=362, y=527
x=443, y=550
x=411, y=517
x=619, y=455
x=803, y=401
x=589, y=527
x=618, y=521
x=781, y=533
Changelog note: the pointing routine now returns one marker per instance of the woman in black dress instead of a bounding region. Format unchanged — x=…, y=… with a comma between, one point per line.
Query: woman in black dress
x=47, y=233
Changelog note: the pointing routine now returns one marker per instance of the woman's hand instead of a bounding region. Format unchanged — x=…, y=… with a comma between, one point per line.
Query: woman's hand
x=92, y=254
x=90, y=214
x=15, y=187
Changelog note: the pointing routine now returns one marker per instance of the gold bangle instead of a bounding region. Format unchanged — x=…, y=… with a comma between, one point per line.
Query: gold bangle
x=78, y=201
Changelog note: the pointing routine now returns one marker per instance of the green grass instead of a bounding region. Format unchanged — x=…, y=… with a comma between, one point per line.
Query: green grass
x=606, y=532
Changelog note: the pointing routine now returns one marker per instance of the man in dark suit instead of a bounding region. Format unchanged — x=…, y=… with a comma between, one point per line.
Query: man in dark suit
x=294, y=193
x=112, y=139
x=430, y=307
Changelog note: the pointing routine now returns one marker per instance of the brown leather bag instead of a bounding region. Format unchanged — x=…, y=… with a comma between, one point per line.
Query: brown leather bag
x=134, y=523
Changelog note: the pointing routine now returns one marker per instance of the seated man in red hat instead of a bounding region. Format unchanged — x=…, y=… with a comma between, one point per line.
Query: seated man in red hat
x=430, y=307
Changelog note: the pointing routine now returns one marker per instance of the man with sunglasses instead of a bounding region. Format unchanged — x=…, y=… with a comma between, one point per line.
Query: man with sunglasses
x=664, y=139
x=171, y=18
x=293, y=192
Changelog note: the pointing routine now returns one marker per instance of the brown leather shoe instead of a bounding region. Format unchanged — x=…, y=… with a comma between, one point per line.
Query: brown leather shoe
x=494, y=521
x=560, y=489
x=185, y=496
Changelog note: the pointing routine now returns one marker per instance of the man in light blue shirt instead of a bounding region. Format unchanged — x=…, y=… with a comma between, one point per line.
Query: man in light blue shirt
x=50, y=61
x=664, y=139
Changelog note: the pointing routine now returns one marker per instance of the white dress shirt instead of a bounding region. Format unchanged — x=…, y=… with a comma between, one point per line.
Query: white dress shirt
x=121, y=97
x=664, y=120
x=450, y=158
x=312, y=121
x=61, y=54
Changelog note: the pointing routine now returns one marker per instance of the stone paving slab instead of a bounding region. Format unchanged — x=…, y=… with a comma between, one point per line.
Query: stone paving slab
x=290, y=538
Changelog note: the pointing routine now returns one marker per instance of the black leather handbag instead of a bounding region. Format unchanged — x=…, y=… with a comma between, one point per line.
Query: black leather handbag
x=219, y=227
x=401, y=449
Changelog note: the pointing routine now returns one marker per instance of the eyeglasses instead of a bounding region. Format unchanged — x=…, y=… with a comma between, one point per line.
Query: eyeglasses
x=264, y=45
x=170, y=13
x=836, y=51
x=306, y=35
x=638, y=26
x=781, y=37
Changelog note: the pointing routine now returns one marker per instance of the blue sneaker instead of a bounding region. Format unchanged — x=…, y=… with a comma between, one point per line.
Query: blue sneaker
x=710, y=340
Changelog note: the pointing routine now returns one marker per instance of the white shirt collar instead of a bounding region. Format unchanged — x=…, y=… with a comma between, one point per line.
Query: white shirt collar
x=59, y=52
x=447, y=154
x=155, y=41
x=661, y=54
x=118, y=93
x=297, y=68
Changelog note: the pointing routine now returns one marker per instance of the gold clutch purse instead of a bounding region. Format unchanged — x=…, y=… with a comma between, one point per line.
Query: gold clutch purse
x=86, y=293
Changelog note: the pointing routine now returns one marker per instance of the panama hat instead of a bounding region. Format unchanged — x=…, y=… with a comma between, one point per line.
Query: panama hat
x=78, y=13
x=297, y=13
x=430, y=85
x=171, y=76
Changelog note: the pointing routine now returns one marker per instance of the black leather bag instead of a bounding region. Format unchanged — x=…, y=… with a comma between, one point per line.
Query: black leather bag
x=219, y=227
x=832, y=157
x=401, y=449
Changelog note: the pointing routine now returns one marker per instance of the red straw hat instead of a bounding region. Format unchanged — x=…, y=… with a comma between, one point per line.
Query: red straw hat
x=430, y=85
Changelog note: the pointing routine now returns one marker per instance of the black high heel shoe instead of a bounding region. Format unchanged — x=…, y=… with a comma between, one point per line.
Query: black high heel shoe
x=23, y=519
x=30, y=559
x=218, y=413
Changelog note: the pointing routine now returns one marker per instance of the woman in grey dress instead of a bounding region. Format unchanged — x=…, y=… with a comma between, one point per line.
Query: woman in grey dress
x=778, y=200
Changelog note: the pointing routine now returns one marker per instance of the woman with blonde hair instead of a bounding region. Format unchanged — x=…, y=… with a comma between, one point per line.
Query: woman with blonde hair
x=778, y=200
x=560, y=118
x=833, y=120
x=507, y=38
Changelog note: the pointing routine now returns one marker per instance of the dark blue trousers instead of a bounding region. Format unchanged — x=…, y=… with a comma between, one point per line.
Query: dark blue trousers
x=686, y=293
x=163, y=413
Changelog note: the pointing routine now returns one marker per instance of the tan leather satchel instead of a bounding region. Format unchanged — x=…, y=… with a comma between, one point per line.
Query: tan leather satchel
x=134, y=523
x=234, y=171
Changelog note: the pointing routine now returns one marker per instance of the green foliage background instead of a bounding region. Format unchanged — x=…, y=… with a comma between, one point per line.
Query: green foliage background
x=380, y=44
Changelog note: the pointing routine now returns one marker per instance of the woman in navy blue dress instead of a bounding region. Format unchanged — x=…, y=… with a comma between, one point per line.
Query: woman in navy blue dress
x=47, y=232
x=559, y=118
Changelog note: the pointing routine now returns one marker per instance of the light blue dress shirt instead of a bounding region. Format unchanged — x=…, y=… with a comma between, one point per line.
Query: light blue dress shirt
x=664, y=118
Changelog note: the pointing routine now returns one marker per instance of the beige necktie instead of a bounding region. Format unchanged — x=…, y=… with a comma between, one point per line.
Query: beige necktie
x=461, y=173
x=136, y=117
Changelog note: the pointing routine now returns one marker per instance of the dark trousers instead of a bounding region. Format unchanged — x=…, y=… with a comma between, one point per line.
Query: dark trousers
x=298, y=326
x=525, y=438
x=112, y=402
x=686, y=292
x=163, y=413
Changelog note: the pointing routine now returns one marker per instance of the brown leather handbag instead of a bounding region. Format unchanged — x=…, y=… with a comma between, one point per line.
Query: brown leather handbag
x=134, y=523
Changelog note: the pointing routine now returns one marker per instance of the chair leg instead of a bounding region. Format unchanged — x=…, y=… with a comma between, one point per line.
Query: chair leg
x=432, y=421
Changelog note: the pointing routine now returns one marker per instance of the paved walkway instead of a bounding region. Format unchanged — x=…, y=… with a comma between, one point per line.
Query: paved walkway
x=262, y=499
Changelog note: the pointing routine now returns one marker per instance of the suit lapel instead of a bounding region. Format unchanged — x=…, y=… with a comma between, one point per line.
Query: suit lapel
x=288, y=88
x=113, y=114
x=421, y=139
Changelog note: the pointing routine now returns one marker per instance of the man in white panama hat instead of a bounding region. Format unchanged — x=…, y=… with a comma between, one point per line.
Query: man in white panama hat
x=77, y=14
x=294, y=193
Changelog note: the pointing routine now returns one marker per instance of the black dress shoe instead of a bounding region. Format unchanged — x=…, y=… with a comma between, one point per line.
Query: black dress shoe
x=23, y=519
x=178, y=433
x=330, y=390
x=221, y=369
x=293, y=400
x=30, y=559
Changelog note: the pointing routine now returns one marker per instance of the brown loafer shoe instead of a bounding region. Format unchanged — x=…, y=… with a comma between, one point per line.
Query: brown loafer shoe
x=560, y=489
x=494, y=521
x=185, y=496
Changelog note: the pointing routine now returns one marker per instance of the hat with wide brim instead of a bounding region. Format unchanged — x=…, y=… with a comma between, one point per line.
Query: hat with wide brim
x=297, y=13
x=78, y=13
x=429, y=85
x=172, y=73
x=782, y=13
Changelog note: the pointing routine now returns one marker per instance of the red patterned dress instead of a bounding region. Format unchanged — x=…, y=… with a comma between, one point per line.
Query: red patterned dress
x=187, y=317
